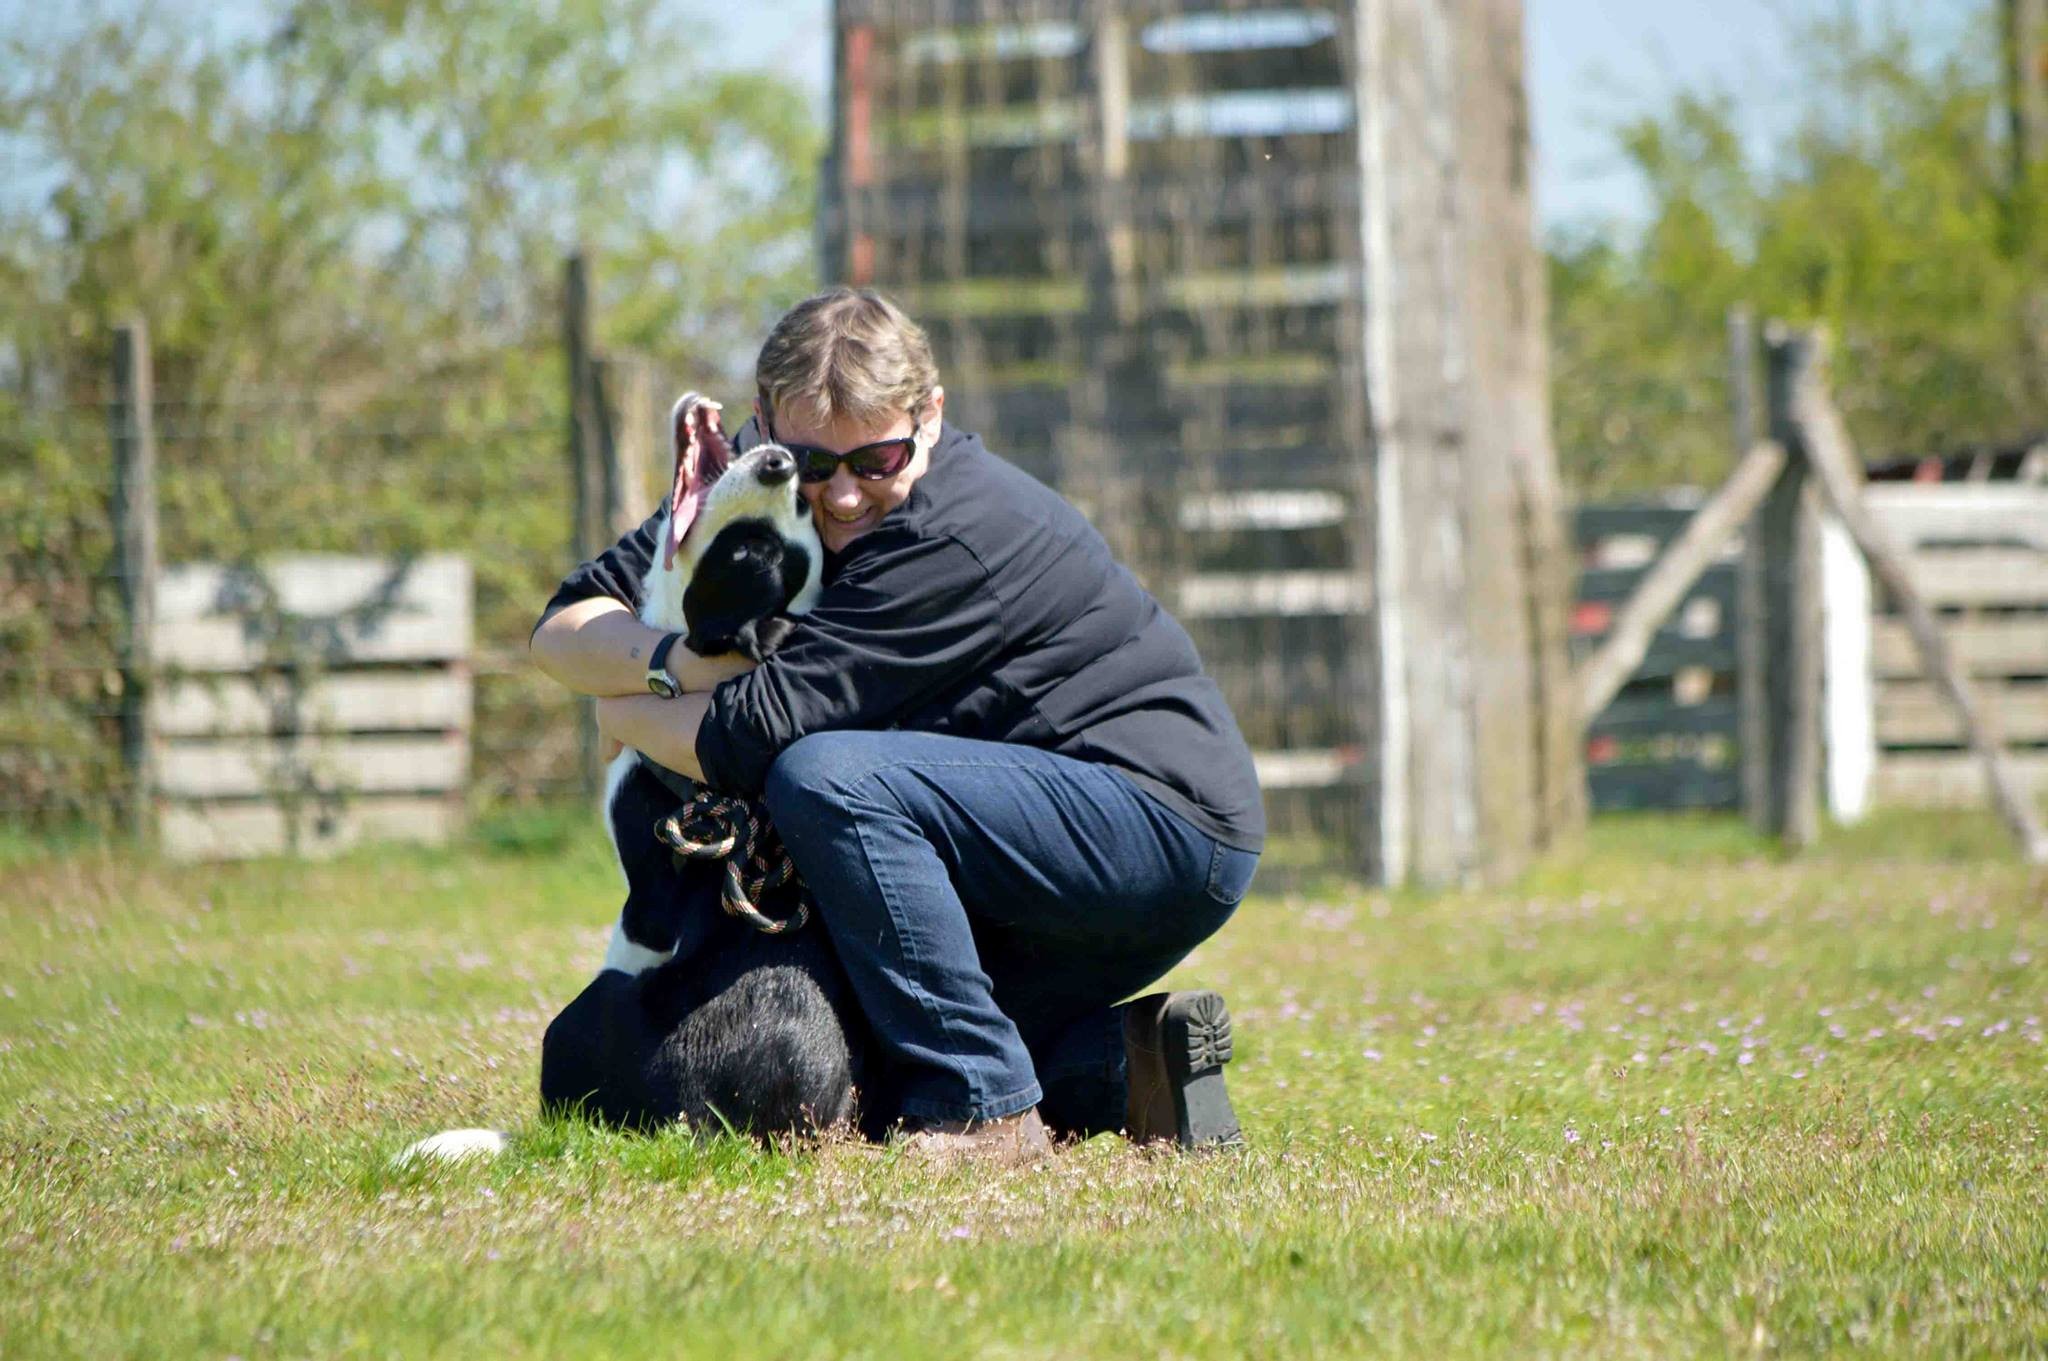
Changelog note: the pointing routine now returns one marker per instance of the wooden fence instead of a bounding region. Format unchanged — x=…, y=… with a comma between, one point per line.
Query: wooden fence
x=1978, y=553
x=308, y=705
x=1669, y=738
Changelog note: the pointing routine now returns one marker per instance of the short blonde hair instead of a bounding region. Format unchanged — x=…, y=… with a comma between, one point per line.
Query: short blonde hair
x=845, y=353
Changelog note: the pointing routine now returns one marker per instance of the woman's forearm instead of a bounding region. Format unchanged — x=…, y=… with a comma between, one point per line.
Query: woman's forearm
x=598, y=647
x=662, y=730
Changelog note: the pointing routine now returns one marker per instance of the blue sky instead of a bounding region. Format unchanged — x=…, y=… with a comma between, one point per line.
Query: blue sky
x=1590, y=61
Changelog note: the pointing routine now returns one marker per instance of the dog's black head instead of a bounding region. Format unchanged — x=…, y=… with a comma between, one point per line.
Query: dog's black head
x=755, y=558
x=749, y=575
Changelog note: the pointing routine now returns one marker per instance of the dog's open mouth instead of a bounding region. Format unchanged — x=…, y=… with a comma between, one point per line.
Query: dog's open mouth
x=702, y=456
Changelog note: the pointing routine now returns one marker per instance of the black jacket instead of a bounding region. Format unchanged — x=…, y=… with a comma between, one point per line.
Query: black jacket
x=984, y=606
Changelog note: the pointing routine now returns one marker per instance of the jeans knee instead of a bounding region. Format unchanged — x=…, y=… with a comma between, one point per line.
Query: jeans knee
x=814, y=773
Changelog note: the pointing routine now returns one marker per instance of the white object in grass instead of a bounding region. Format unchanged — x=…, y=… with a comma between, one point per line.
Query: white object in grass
x=453, y=1146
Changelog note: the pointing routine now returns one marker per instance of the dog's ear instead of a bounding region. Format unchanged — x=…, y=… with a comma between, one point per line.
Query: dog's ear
x=698, y=446
x=770, y=634
x=796, y=569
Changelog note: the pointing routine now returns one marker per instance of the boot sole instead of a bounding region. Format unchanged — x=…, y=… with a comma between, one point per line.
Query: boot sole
x=1192, y=1035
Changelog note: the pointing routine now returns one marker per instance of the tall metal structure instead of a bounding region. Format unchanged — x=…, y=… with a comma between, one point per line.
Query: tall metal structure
x=1254, y=286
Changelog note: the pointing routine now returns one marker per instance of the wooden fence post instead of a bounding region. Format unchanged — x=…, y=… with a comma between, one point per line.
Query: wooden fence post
x=586, y=483
x=1752, y=725
x=625, y=387
x=132, y=422
x=1824, y=437
x=1789, y=623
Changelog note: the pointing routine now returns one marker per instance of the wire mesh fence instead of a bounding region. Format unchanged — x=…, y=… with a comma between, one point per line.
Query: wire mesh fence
x=472, y=469
x=466, y=469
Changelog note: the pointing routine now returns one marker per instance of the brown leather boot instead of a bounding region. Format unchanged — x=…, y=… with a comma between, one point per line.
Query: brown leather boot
x=1014, y=1141
x=1175, y=1046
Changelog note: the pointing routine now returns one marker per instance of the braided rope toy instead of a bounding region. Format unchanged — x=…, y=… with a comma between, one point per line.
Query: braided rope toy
x=712, y=826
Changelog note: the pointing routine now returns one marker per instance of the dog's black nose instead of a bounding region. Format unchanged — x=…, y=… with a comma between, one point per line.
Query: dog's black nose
x=776, y=468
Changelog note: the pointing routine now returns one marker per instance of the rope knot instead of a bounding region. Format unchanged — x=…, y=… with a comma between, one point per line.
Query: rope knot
x=712, y=826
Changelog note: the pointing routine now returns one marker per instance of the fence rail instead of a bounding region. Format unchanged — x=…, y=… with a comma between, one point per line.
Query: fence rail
x=1668, y=739
x=1978, y=552
x=308, y=703
x=1979, y=555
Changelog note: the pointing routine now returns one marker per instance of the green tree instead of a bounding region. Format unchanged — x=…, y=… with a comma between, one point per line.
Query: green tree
x=345, y=225
x=362, y=196
x=1886, y=208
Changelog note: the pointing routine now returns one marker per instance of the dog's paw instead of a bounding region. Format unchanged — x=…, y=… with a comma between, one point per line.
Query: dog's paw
x=628, y=957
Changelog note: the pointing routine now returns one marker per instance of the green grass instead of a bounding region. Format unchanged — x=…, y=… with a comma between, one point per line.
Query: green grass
x=1673, y=1094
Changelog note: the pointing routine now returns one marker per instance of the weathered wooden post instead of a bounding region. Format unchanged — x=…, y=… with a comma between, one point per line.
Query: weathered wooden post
x=1332, y=302
x=1824, y=439
x=132, y=424
x=626, y=407
x=1468, y=685
x=586, y=473
x=1788, y=643
x=1752, y=723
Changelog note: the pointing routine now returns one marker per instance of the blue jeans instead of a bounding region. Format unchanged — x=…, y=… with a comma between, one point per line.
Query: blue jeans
x=990, y=904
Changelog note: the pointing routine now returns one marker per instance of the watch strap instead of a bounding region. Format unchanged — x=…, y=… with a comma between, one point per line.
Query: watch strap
x=659, y=677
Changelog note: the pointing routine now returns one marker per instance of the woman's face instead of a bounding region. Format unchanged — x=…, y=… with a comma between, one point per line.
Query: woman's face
x=844, y=506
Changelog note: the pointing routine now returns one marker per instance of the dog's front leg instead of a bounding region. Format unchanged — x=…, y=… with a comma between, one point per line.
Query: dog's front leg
x=628, y=815
x=631, y=958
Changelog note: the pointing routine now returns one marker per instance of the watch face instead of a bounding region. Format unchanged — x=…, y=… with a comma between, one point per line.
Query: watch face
x=661, y=685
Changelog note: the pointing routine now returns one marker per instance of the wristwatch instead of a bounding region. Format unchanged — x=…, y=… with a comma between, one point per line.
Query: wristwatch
x=660, y=679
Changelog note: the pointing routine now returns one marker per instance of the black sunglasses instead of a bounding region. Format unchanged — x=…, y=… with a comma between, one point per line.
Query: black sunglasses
x=871, y=462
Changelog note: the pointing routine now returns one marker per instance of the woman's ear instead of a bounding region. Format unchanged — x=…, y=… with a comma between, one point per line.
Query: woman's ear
x=937, y=406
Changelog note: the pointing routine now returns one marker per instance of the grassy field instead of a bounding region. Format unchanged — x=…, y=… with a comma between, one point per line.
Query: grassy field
x=1667, y=1096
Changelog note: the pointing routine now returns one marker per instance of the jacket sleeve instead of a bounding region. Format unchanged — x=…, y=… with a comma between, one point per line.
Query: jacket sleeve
x=894, y=629
x=616, y=572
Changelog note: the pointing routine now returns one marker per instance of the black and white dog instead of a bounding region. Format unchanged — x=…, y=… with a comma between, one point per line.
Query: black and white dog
x=696, y=1015
x=736, y=555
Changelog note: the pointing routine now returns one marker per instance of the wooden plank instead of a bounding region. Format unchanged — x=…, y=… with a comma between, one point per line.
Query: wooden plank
x=1673, y=784
x=1914, y=513
x=1591, y=524
x=1651, y=716
x=1617, y=583
x=1215, y=595
x=1665, y=584
x=249, y=767
x=1952, y=779
x=1272, y=509
x=1266, y=286
x=1979, y=576
x=1306, y=769
x=1984, y=646
x=222, y=831
x=1671, y=654
x=349, y=701
x=1914, y=713
x=328, y=607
